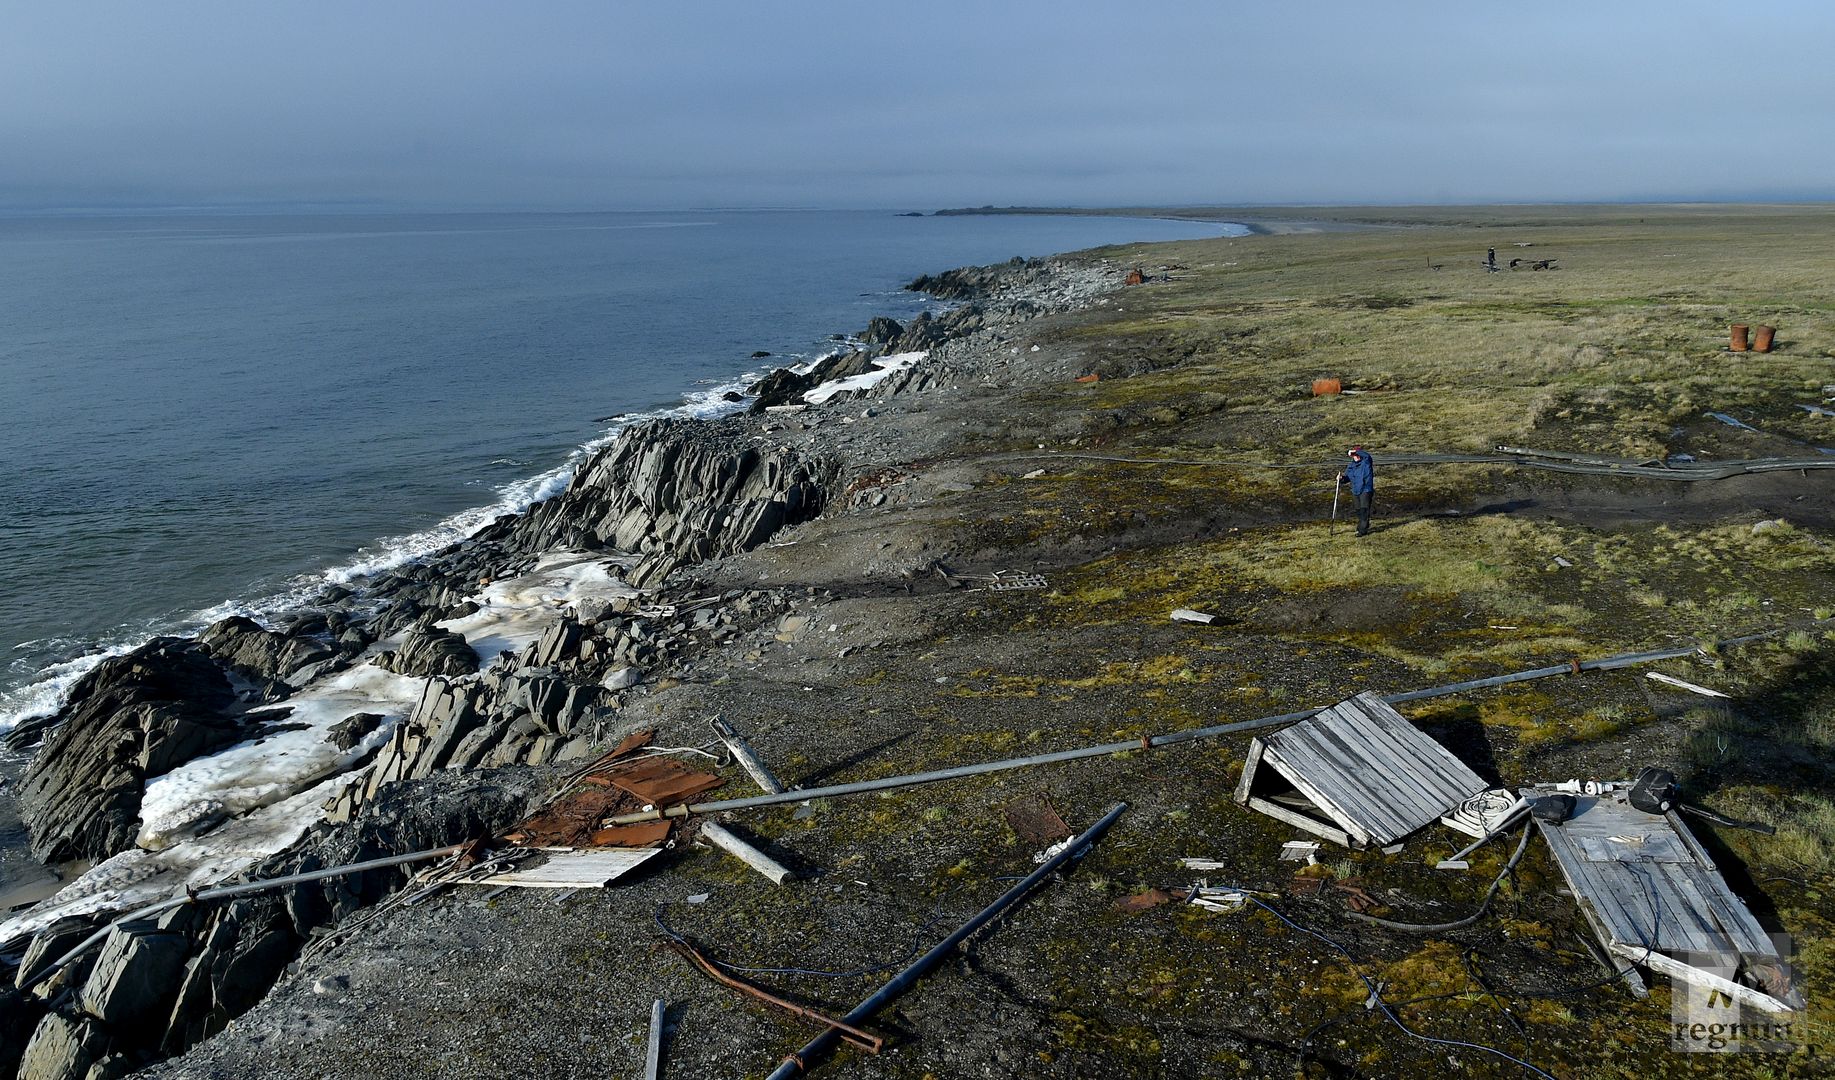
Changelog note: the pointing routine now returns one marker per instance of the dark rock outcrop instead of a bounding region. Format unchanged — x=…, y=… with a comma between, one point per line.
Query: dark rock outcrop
x=430, y=650
x=292, y=659
x=131, y=718
x=678, y=491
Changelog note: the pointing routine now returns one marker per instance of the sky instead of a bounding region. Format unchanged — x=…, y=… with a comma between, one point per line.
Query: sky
x=458, y=104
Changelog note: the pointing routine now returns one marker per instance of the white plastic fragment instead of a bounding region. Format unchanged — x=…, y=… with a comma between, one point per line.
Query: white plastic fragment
x=1188, y=615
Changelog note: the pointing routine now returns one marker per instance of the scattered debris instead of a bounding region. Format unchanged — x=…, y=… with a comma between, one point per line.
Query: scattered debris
x=699, y=898
x=1191, y=863
x=1071, y=850
x=1033, y=475
x=1327, y=387
x=1225, y=900
x=1730, y=421
x=569, y=869
x=745, y=853
x=1035, y=821
x=1305, y=851
x=1562, y=563
x=1654, y=897
x=1188, y=615
x=1051, y=852
x=1457, y=861
x=1357, y=773
x=785, y=408
x=1817, y=410
x=1090, y=378
x=1136, y=903
x=1683, y=684
x=1013, y=579
x=865, y=1040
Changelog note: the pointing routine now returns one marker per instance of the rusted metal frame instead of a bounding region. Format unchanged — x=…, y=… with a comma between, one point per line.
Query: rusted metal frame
x=865, y=1040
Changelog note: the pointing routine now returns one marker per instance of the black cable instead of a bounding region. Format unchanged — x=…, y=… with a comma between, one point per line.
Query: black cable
x=1456, y=924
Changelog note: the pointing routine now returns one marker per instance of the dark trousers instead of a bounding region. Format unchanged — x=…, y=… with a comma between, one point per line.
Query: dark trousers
x=1363, y=512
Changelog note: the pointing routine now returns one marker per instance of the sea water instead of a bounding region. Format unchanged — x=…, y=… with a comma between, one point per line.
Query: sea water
x=203, y=414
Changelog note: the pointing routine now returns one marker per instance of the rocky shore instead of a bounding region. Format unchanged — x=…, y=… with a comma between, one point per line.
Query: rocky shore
x=659, y=508
x=986, y=542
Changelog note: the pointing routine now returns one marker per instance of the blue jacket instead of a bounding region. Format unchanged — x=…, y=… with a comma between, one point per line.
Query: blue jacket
x=1361, y=472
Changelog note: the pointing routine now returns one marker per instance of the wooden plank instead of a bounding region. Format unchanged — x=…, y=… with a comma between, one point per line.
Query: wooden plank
x=1398, y=803
x=1299, y=820
x=1676, y=969
x=1309, y=775
x=1249, y=765
x=1315, y=769
x=1324, y=783
x=1440, y=772
x=1376, y=774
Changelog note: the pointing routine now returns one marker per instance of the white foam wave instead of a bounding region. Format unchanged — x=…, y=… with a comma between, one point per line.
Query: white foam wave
x=45, y=692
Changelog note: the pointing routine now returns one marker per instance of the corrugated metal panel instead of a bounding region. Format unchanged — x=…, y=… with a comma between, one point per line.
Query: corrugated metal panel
x=1370, y=770
x=1645, y=883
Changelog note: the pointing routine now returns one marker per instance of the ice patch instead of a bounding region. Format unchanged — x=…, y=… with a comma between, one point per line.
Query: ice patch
x=266, y=770
x=515, y=611
x=887, y=365
x=136, y=878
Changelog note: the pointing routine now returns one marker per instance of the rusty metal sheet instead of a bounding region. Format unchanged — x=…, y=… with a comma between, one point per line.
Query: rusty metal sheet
x=662, y=781
x=1034, y=820
x=643, y=834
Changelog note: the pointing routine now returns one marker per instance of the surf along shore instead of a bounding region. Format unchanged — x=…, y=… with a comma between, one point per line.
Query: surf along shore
x=822, y=578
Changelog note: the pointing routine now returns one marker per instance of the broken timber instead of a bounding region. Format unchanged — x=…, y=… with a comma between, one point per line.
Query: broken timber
x=1357, y=773
x=1654, y=897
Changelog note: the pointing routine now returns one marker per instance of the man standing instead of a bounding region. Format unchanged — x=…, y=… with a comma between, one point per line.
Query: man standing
x=1361, y=473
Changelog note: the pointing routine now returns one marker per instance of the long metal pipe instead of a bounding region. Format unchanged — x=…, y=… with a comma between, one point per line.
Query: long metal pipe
x=1151, y=742
x=228, y=892
x=801, y=1061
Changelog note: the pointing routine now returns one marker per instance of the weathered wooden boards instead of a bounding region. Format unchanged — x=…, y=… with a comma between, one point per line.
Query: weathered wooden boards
x=1654, y=897
x=1357, y=774
x=592, y=869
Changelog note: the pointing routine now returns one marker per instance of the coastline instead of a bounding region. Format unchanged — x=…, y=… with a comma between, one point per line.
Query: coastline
x=375, y=608
x=864, y=638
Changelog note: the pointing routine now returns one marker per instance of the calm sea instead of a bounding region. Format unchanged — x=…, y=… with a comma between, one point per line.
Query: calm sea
x=203, y=414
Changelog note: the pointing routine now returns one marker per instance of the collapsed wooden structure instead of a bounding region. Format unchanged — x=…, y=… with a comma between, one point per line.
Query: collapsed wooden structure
x=1358, y=774
x=1654, y=897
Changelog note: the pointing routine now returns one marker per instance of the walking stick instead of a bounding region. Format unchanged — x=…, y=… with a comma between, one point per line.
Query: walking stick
x=1339, y=483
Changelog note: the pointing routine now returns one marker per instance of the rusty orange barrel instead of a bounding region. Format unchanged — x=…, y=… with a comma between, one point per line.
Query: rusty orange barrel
x=1738, y=344
x=1322, y=387
x=1761, y=338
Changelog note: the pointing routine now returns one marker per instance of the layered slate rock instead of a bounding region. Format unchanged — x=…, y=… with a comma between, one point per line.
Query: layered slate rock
x=678, y=491
x=243, y=646
x=429, y=651
x=136, y=978
x=132, y=718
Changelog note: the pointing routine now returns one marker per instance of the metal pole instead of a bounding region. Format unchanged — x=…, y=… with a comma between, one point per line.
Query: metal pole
x=1152, y=742
x=231, y=891
x=801, y=1061
x=1336, y=485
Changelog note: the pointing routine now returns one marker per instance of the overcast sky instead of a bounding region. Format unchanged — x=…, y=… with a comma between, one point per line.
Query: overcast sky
x=613, y=104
